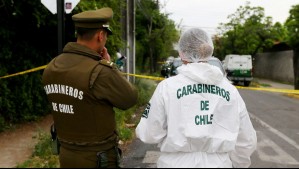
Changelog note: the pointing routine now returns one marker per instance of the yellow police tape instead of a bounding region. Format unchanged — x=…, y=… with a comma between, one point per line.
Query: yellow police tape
x=24, y=72
x=43, y=67
x=288, y=91
x=146, y=77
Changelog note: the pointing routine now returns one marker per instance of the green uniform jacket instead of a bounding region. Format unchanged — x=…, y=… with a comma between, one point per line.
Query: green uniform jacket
x=83, y=90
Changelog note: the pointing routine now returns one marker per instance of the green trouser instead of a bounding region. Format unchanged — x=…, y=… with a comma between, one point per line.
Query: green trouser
x=70, y=158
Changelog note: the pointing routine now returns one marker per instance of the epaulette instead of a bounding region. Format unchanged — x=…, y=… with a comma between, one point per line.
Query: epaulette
x=108, y=63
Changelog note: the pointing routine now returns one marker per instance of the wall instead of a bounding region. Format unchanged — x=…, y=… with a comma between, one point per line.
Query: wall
x=276, y=66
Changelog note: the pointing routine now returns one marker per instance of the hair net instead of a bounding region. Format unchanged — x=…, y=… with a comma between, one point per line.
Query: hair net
x=195, y=45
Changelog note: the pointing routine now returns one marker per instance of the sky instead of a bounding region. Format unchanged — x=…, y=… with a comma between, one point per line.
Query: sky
x=208, y=14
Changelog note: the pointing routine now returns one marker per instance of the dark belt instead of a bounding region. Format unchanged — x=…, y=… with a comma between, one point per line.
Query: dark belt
x=90, y=146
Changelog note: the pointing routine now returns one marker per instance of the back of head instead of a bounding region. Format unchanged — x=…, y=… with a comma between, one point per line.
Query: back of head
x=195, y=45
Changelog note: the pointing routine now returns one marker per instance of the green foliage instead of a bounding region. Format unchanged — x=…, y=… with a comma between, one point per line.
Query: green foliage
x=43, y=148
x=42, y=156
x=29, y=40
x=122, y=117
x=249, y=31
x=22, y=38
x=23, y=99
x=114, y=43
x=155, y=35
x=2, y=124
x=145, y=90
x=126, y=134
x=292, y=25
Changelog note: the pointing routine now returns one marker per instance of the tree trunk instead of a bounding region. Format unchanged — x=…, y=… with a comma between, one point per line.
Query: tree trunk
x=151, y=62
x=150, y=26
x=155, y=63
x=143, y=63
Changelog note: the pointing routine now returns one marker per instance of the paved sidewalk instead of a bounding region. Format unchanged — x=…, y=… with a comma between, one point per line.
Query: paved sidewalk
x=274, y=84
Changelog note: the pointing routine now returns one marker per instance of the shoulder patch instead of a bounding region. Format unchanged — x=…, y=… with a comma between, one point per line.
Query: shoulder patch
x=108, y=63
x=94, y=74
x=146, y=111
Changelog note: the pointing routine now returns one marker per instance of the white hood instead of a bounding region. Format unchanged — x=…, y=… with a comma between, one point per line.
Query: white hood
x=201, y=72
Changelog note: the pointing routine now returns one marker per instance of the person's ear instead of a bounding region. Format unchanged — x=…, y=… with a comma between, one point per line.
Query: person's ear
x=100, y=35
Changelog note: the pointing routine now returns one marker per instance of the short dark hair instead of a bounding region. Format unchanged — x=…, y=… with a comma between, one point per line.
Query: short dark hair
x=87, y=33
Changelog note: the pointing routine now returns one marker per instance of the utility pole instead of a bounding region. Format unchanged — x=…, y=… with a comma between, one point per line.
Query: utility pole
x=61, y=25
x=128, y=35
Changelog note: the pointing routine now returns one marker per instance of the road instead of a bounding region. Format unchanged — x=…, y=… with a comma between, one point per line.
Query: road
x=275, y=118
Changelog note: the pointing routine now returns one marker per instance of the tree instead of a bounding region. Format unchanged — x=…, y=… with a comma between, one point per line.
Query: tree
x=155, y=34
x=28, y=39
x=247, y=32
x=292, y=25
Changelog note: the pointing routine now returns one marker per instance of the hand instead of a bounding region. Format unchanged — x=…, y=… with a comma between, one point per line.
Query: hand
x=105, y=55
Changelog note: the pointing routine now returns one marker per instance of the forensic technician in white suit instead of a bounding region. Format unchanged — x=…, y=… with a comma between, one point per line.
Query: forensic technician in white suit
x=197, y=117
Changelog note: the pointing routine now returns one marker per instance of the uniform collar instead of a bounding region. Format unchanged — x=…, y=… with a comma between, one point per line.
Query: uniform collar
x=73, y=47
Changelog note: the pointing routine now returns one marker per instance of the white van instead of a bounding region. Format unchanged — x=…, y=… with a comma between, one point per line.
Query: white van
x=238, y=68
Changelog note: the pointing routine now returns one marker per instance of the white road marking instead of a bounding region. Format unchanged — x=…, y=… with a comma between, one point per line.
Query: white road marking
x=273, y=130
x=271, y=152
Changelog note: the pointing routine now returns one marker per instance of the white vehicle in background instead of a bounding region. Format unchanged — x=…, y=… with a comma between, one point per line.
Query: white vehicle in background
x=238, y=68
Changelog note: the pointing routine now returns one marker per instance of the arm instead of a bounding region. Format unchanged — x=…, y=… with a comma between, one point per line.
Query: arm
x=152, y=127
x=246, y=141
x=110, y=85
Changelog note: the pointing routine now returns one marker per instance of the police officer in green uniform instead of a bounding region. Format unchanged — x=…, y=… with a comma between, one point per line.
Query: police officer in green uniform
x=83, y=86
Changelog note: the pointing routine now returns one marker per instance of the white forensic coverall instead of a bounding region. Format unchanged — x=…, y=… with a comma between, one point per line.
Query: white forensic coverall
x=198, y=119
